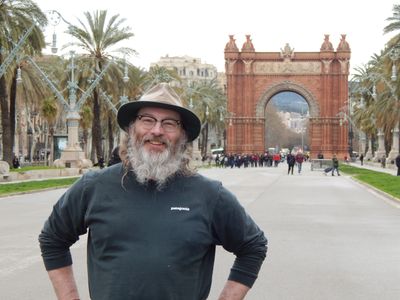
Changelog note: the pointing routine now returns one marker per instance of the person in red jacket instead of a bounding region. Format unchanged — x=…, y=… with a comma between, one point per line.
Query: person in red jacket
x=299, y=160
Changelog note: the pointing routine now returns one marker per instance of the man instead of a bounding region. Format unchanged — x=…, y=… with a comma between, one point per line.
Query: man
x=383, y=161
x=290, y=159
x=398, y=164
x=299, y=160
x=153, y=222
x=335, y=165
x=15, y=162
x=115, y=159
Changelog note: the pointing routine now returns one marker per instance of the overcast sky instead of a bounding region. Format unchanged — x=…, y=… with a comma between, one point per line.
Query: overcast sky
x=200, y=28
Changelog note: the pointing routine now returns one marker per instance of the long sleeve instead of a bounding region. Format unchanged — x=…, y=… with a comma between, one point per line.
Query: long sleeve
x=238, y=233
x=63, y=228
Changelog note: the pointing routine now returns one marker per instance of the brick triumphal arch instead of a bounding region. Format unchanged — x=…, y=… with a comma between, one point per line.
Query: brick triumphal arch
x=253, y=78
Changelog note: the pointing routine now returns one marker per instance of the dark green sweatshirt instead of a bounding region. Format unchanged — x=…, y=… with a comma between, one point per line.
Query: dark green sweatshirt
x=147, y=244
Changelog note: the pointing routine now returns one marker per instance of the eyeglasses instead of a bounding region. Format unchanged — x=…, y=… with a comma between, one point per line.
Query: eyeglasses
x=168, y=125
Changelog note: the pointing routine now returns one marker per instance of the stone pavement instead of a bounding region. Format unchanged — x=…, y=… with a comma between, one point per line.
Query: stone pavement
x=329, y=238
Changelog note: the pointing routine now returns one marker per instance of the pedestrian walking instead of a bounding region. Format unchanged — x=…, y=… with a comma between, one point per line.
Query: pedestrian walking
x=154, y=222
x=299, y=161
x=335, y=165
x=115, y=158
x=15, y=162
x=398, y=164
x=100, y=162
x=383, y=161
x=291, y=160
x=362, y=159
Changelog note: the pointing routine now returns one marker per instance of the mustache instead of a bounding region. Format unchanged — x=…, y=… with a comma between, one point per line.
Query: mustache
x=157, y=139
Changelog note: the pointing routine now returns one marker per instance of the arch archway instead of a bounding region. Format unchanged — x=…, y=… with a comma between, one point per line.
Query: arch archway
x=287, y=86
x=253, y=78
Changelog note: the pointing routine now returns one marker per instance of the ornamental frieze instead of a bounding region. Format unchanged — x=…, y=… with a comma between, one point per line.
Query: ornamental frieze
x=246, y=120
x=292, y=67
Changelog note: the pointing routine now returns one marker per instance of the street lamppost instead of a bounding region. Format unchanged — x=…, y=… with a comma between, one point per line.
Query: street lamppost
x=302, y=128
x=122, y=99
x=72, y=155
x=380, y=152
x=346, y=117
x=394, y=56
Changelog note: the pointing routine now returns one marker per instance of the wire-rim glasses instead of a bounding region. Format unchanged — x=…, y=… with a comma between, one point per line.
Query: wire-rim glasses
x=168, y=125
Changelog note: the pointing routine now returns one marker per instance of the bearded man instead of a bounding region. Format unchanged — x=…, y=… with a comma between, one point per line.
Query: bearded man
x=153, y=221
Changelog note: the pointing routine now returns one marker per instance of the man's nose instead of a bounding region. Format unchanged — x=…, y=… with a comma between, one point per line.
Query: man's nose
x=157, y=129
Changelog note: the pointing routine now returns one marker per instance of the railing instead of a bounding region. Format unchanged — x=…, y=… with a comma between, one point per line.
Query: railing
x=320, y=164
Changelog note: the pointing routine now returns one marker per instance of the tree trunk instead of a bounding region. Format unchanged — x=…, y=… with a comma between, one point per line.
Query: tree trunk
x=8, y=139
x=205, y=140
x=110, y=136
x=51, y=158
x=96, y=127
x=46, y=136
x=85, y=141
x=33, y=146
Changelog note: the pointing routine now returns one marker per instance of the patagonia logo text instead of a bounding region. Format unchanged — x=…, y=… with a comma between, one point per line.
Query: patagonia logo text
x=180, y=208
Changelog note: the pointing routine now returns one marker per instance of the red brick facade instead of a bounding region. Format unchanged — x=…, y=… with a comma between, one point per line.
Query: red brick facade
x=253, y=78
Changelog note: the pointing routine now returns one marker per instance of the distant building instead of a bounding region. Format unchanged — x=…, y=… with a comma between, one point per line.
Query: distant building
x=294, y=121
x=188, y=68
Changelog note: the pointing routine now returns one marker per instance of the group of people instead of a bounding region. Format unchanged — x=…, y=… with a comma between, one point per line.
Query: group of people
x=114, y=159
x=248, y=160
x=383, y=162
x=295, y=159
x=266, y=159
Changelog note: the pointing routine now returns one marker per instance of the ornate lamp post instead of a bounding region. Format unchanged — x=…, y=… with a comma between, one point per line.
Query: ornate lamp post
x=394, y=55
x=72, y=155
x=361, y=134
x=381, y=151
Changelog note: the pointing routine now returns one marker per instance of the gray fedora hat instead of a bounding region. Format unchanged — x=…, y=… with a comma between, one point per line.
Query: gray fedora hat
x=163, y=96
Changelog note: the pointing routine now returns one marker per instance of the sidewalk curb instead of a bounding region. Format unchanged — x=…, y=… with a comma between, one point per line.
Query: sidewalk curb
x=34, y=191
x=38, y=190
x=391, y=198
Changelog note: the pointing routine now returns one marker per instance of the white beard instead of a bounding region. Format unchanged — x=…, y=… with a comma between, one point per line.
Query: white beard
x=155, y=166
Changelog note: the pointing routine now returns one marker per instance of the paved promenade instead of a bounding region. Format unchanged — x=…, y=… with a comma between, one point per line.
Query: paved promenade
x=329, y=238
x=392, y=170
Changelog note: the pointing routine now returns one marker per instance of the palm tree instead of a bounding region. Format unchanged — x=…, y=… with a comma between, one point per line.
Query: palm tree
x=393, y=106
x=394, y=25
x=16, y=16
x=130, y=86
x=159, y=74
x=97, y=40
x=49, y=112
x=364, y=115
x=208, y=101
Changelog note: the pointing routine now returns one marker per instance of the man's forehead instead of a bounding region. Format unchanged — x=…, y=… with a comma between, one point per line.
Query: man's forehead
x=157, y=111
